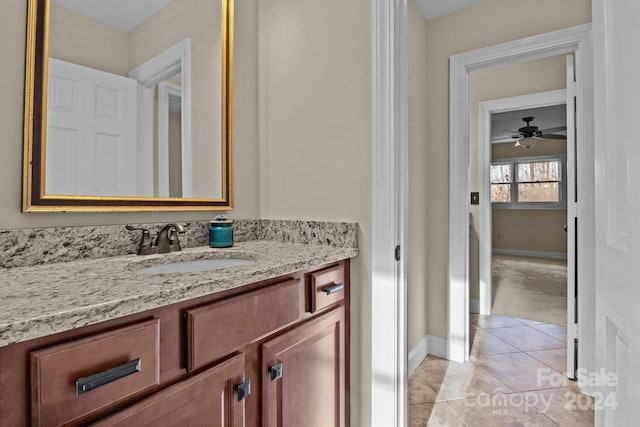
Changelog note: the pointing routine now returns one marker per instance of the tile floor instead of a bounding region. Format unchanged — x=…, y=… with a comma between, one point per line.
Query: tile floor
x=516, y=377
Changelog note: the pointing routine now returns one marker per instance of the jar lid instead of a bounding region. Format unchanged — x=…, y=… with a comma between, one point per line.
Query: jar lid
x=221, y=219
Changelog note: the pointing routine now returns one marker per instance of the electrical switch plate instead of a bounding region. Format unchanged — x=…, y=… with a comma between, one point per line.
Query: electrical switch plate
x=475, y=198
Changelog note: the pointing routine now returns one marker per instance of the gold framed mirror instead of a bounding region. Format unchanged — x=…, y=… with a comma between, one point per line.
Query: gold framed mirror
x=128, y=106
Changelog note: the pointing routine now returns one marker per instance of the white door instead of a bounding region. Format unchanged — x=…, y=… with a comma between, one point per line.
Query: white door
x=572, y=221
x=616, y=31
x=91, y=132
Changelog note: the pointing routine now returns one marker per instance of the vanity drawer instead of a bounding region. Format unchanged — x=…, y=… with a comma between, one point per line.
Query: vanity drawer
x=217, y=329
x=73, y=379
x=324, y=288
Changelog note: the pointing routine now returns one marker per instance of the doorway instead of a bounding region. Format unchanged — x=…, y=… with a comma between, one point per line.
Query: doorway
x=527, y=212
x=573, y=40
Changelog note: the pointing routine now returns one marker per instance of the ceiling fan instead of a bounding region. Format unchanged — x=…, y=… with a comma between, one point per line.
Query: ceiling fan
x=531, y=132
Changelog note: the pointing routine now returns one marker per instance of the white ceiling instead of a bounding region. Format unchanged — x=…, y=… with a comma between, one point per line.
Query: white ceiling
x=503, y=124
x=124, y=15
x=431, y=9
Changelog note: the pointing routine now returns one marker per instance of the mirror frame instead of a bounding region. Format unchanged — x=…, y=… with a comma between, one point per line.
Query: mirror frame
x=34, y=198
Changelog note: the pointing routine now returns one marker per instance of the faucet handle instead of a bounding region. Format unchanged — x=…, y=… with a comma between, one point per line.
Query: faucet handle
x=174, y=242
x=146, y=244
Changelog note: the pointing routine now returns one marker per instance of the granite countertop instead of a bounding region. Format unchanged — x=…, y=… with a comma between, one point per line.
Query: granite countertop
x=47, y=299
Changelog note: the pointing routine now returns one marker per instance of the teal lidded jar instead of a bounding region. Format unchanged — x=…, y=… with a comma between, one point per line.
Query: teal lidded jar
x=221, y=232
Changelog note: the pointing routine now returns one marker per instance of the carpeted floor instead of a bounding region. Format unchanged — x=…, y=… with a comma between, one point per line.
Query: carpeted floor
x=530, y=288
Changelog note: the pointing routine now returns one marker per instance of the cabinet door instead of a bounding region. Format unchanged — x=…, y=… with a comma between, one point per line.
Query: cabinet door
x=209, y=398
x=304, y=375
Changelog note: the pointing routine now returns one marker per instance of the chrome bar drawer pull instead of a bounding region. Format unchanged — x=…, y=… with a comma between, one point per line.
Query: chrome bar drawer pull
x=333, y=289
x=92, y=382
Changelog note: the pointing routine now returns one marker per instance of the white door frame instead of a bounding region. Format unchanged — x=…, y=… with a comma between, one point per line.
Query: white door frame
x=571, y=40
x=168, y=93
x=389, y=214
x=485, y=110
x=168, y=63
x=536, y=100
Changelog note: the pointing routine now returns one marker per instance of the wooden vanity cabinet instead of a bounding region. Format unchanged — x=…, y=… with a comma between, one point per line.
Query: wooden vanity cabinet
x=212, y=350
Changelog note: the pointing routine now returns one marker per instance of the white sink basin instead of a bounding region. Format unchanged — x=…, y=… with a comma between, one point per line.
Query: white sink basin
x=194, y=266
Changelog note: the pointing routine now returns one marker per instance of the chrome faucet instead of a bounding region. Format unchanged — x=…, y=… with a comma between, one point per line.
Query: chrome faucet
x=166, y=240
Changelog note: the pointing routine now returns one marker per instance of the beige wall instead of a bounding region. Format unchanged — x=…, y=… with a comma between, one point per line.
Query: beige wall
x=85, y=41
x=418, y=206
x=529, y=230
x=12, y=46
x=245, y=75
x=487, y=24
x=175, y=154
x=315, y=134
x=548, y=147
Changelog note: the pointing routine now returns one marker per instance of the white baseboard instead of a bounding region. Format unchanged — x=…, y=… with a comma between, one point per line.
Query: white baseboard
x=429, y=345
x=417, y=355
x=438, y=347
x=474, y=305
x=535, y=254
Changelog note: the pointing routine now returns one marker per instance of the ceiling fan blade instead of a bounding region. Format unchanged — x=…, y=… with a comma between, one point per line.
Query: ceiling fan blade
x=551, y=136
x=552, y=130
x=504, y=139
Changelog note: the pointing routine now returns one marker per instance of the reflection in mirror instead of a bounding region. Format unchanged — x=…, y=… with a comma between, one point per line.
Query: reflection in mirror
x=164, y=85
x=136, y=102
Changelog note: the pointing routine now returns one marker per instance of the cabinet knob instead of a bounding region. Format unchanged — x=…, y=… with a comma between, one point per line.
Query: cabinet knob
x=276, y=372
x=244, y=390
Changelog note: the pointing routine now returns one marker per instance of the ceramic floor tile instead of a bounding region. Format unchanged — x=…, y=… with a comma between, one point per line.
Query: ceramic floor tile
x=432, y=414
x=483, y=342
x=501, y=410
x=555, y=358
x=558, y=332
x=419, y=389
x=527, y=338
x=474, y=318
x=451, y=380
x=481, y=393
x=530, y=322
x=566, y=406
x=521, y=372
x=496, y=321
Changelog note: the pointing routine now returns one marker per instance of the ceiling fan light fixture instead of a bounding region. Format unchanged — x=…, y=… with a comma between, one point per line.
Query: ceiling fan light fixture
x=528, y=133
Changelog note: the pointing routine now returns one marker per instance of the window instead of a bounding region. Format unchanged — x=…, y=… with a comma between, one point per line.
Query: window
x=501, y=174
x=525, y=183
